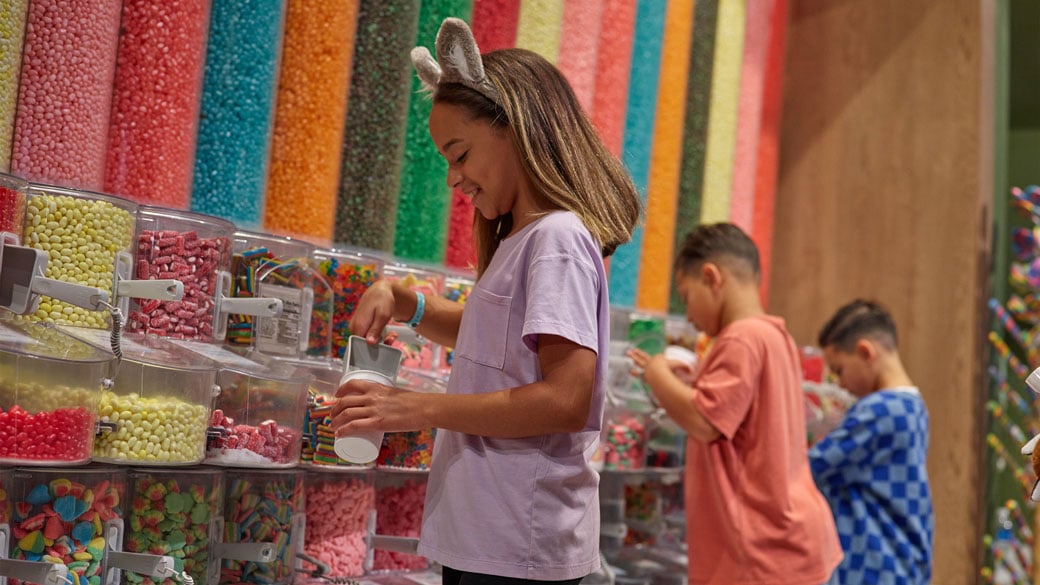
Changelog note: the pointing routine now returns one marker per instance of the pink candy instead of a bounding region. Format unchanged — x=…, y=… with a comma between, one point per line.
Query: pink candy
x=65, y=92
x=190, y=259
x=338, y=512
x=399, y=510
x=251, y=445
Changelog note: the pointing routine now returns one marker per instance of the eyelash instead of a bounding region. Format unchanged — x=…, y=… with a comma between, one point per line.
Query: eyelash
x=462, y=157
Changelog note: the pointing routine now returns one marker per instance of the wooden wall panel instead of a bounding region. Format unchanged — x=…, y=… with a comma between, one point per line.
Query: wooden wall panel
x=884, y=192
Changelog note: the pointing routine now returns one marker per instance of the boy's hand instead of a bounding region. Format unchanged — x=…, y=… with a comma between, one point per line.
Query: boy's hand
x=651, y=368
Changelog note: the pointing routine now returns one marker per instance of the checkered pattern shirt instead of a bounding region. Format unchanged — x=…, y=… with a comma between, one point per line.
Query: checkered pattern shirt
x=872, y=471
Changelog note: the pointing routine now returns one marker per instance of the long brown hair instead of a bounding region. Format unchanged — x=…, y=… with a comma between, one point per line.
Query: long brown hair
x=563, y=157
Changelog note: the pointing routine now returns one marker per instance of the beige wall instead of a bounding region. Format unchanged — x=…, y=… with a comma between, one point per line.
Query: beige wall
x=884, y=192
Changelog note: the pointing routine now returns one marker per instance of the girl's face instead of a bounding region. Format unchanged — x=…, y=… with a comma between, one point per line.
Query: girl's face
x=482, y=162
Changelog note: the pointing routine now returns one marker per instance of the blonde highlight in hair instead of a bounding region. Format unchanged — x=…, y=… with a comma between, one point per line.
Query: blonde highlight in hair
x=559, y=150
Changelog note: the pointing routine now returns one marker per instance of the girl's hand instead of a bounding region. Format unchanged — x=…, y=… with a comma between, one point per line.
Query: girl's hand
x=369, y=406
x=373, y=312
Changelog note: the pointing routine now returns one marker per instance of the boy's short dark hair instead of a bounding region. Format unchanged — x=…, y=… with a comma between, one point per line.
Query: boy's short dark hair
x=714, y=243
x=855, y=321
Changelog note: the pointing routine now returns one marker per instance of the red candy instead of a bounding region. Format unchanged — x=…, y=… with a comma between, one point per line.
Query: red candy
x=62, y=435
x=399, y=510
x=269, y=442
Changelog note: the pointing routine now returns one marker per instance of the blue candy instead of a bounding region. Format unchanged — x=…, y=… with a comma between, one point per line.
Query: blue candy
x=39, y=495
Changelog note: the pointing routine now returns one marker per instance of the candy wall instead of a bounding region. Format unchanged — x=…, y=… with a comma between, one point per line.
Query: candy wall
x=304, y=119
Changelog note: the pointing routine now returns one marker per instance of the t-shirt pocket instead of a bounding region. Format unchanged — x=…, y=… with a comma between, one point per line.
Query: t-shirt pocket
x=485, y=329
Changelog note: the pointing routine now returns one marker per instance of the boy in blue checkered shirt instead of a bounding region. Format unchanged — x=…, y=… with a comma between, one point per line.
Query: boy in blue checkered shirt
x=872, y=467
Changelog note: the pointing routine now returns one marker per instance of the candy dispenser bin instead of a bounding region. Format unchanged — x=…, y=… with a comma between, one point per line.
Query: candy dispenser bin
x=350, y=271
x=65, y=91
x=159, y=405
x=323, y=380
x=341, y=515
x=88, y=237
x=261, y=507
x=256, y=422
x=400, y=497
x=189, y=247
x=66, y=516
x=12, y=207
x=419, y=353
x=50, y=386
x=12, y=31
x=155, y=101
x=411, y=450
x=270, y=266
x=173, y=512
x=624, y=439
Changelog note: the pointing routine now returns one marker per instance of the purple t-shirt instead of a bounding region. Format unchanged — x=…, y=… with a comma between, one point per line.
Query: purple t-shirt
x=525, y=508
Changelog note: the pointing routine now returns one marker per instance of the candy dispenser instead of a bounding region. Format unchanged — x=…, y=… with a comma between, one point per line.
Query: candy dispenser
x=341, y=516
x=256, y=422
x=65, y=91
x=12, y=34
x=419, y=353
x=624, y=439
x=411, y=450
x=238, y=100
x=318, y=441
x=173, y=512
x=194, y=249
x=158, y=408
x=50, y=386
x=400, y=497
x=68, y=517
x=12, y=207
x=350, y=271
x=262, y=526
x=271, y=266
x=88, y=237
x=155, y=101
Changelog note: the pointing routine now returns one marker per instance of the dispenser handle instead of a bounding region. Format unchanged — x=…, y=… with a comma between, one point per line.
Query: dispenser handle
x=163, y=290
x=145, y=564
x=87, y=297
x=35, y=571
x=401, y=544
x=261, y=552
x=258, y=307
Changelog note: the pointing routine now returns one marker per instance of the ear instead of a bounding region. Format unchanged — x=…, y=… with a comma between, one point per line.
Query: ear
x=428, y=70
x=866, y=349
x=711, y=275
x=458, y=52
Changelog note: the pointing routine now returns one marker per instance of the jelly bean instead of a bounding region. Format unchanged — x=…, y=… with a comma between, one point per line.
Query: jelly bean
x=41, y=427
x=159, y=429
x=12, y=34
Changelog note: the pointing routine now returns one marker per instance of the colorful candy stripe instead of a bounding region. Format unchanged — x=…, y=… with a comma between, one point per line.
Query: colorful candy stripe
x=1020, y=369
x=695, y=130
x=662, y=192
x=722, y=121
x=259, y=507
x=612, y=71
x=424, y=200
x=1014, y=462
x=579, y=44
x=749, y=118
x=1005, y=421
x=12, y=33
x=539, y=27
x=65, y=96
x=639, y=130
x=1023, y=338
x=308, y=124
x=155, y=102
x=494, y=24
x=768, y=143
x=1024, y=407
x=373, y=141
x=237, y=118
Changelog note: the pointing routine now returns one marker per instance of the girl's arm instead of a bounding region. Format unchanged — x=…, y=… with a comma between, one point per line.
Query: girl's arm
x=559, y=403
x=385, y=300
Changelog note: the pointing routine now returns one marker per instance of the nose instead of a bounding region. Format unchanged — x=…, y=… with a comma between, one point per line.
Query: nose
x=454, y=177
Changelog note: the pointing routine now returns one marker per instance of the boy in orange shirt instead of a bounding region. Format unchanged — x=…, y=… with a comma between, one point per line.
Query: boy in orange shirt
x=754, y=515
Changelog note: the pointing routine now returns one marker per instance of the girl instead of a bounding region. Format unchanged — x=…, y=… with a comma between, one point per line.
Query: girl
x=512, y=496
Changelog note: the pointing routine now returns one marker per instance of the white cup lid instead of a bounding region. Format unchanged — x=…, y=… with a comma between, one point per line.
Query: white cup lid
x=362, y=448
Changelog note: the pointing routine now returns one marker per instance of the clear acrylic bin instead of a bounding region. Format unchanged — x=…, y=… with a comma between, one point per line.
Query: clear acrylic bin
x=172, y=512
x=67, y=516
x=350, y=271
x=89, y=239
x=411, y=450
x=194, y=249
x=12, y=207
x=159, y=406
x=341, y=517
x=50, y=387
x=400, y=497
x=419, y=353
x=262, y=507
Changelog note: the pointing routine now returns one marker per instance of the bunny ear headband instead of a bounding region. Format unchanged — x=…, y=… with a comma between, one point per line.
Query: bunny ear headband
x=458, y=61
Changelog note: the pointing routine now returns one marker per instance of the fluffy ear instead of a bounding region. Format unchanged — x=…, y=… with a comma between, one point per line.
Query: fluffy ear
x=428, y=70
x=458, y=53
